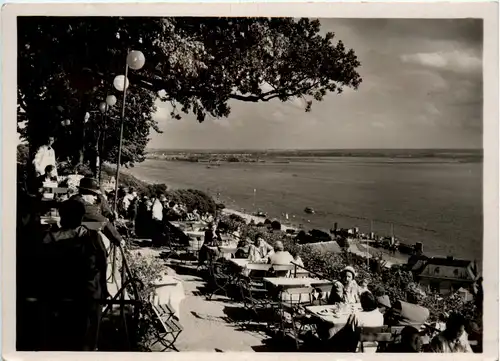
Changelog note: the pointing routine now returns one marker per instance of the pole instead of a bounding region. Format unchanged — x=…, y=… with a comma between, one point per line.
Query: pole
x=121, y=137
x=103, y=138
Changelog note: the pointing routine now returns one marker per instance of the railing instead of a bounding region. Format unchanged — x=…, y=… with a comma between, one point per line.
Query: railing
x=127, y=282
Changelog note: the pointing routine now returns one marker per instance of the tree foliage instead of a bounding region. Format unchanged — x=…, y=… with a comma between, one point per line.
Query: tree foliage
x=66, y=66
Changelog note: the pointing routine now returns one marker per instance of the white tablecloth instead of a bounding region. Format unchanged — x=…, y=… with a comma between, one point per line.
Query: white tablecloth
x=169, y=290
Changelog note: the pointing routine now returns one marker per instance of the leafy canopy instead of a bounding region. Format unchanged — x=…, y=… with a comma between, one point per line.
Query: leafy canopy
x=66, y=66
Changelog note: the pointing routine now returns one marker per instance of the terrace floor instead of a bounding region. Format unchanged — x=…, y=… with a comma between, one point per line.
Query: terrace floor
x=215, y=325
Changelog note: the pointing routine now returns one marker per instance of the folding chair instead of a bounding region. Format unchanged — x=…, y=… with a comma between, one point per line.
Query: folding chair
x=166, y=328
x=323, y=292
x=256, y=296
x=374, y=339
x=282, y=270
x=219, y=278
x=292, y=301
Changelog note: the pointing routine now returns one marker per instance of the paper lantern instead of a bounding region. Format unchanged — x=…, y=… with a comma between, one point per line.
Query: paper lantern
x=111, y=100
x=102, y=107
x=119, y=81
x=135, y=59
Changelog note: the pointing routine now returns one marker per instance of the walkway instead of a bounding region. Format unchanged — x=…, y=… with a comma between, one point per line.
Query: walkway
x=210, y=326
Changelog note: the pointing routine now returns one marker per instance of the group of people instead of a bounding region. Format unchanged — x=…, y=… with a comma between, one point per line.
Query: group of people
x=378, y=312
x=375, y=311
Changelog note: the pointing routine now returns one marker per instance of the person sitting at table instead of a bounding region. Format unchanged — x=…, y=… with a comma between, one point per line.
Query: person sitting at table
x=411, y=342
x=454, y=338
x=73, y=272
x=280, y=256
x=296, y=258
x=243, y=248
x=363, y=287
x=370, y=316
x=351, y=293
x=211, y=239
x=336, y=295
x=260, y=250
x=347, y=338
x=50, y=175
x=96, y=208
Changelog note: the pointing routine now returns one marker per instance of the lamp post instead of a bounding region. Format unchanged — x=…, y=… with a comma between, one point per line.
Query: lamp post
x=103, y=107
x=135, y=61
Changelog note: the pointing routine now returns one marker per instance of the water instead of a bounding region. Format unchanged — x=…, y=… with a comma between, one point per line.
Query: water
x=438, y=203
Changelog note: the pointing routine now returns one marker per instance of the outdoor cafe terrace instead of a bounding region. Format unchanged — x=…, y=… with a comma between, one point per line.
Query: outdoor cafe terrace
x=228, y=304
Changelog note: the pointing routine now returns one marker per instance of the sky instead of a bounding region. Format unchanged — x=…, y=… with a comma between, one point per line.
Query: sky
x=422, y=88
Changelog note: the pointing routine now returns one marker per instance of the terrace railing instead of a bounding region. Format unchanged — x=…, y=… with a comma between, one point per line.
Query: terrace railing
x=127, y=294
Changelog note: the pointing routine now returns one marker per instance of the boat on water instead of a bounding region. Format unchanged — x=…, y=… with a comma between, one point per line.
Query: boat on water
x=260, y=214
x=309, y=210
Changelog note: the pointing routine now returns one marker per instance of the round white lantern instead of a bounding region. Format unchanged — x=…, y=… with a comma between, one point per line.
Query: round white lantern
x=102, y=107
x=111, y=100
x=119, y=81
x=135, y=59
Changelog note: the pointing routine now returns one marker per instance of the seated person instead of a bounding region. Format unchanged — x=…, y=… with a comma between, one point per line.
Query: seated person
x=453, y=339
x=280, y=256
x=363, y=287
x=50, y=175
x=370, y=316
x=243, y=249
x=260, y=250
x=351, y=293
x=97, y=209
x=411, y=341
x=296, y=258
x=74, y=270
x=345, y=339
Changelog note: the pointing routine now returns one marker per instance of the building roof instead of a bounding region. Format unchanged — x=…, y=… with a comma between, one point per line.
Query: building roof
x=451, y=262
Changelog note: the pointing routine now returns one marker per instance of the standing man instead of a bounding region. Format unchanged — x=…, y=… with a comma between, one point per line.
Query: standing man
x=45, y=156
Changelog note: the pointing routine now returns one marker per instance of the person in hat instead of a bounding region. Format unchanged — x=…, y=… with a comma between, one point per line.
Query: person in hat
x=351, y=288
x=72, y=268
x=96, y=208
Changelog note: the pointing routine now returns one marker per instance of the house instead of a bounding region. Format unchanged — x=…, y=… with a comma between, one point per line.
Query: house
x=447, y=275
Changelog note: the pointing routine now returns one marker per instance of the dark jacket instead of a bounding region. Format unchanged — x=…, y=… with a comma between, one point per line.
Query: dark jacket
x=100, y=212
x=73, y=265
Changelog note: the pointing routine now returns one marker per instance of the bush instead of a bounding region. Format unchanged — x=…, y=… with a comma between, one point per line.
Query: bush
x=275, y=225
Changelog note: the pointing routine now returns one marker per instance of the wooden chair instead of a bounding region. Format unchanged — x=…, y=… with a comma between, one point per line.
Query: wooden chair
x=255, y=296
x=282, y=270
x=323, y=292
x=374, y=339
x=166, y=327
x=219, y=278
x=292, y=302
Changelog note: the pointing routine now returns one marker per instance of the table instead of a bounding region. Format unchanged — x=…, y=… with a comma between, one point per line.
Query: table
x=245, y=264
x=169, y=290
x=287, y=282
x=194, y=234
x=337, y=320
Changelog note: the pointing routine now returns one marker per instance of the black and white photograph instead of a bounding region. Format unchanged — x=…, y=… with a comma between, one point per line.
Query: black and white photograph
x=252, y=183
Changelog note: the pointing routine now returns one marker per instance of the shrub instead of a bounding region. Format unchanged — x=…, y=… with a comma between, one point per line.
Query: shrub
x=275, y=225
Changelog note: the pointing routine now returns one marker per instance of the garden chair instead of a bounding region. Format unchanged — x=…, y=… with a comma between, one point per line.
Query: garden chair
x=166, y=327
x=321, y=294
x=219, y=278
x=255, y=296
x=374, y=339
x=282, y=270
x=292, y=303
